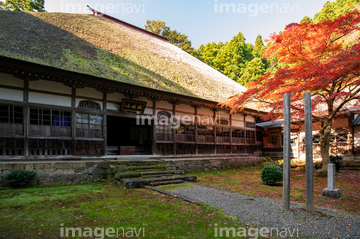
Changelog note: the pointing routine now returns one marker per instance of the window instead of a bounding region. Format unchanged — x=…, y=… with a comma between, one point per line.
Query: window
x=88, y=104
x=238, y=133
x=88, y=125
x=341, y=138
x=11, y=114
x=50, y=117
x=316, y=139
x=185, y=133
x=250, y=134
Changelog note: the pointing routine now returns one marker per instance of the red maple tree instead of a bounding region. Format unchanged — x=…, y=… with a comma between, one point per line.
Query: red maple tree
x=323, y=59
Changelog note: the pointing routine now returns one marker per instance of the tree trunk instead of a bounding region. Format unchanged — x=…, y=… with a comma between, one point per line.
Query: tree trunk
x=325, y=136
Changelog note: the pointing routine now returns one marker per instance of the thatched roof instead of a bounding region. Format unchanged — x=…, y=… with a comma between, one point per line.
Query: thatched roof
x=95, y=46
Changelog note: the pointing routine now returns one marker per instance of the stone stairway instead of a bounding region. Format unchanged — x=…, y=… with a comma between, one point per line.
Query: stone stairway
x=137, y=174
x=352, y=165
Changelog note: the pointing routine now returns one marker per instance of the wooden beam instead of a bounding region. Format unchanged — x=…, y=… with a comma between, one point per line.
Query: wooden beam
x=104, y=124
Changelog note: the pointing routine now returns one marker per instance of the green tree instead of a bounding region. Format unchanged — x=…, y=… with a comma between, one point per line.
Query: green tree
x=332, y=10
x=178, y=39
x=157, y=27
x=233, y=56
x=23, y=5
x=200, y=52
x=306, y=19
x=253, y=71
x=210, y=52
x=259, y=47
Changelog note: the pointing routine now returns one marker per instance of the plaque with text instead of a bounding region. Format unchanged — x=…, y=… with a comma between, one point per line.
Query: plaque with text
x=133, y=106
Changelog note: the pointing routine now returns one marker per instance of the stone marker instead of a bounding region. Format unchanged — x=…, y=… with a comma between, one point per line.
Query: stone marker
x=286, y=153
x=309, y=154
x=331, y=191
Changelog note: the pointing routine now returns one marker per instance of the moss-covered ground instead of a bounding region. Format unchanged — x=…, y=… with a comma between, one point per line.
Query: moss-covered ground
x=43, y=212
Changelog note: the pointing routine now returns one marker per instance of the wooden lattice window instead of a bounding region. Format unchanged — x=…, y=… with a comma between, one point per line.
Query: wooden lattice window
x=88, y=104
x=11, y=114
x=50, y=117
x=341, y=138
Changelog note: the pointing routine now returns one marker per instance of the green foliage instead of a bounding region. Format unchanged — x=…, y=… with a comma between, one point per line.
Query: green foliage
x=271, y=174
x=253, y=71
x=23, y=5
x=210, y=52
x=20, y=178
x=333, y=10
x=306, y=19
x=178, y=39
x=233, y=57
x=335, y=159
x=259, y=47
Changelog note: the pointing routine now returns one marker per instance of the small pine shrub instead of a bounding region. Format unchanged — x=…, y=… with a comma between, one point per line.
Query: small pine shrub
x=337, y=160
x=271, y=174
x=20, y=178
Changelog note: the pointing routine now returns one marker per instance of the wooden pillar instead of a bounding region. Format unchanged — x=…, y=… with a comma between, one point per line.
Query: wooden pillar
x=309, y=154
x=73, y=119
x=286, y=153
x=105, y=123
x=154, y=128
x=230, y=132
x=196, y=132
x=245, y=133
x=26, y=118
x=351, y=136
x=214, y=130
x=173, y=130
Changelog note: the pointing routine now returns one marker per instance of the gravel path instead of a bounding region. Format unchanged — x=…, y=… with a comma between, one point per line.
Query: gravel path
x=264, y=212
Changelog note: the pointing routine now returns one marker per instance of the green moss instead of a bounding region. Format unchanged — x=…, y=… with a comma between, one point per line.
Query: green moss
x=39, y=212
x=173, y=187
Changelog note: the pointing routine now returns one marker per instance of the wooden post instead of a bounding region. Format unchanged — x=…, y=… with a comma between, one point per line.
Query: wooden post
x=26, y=118
x=309, y=154
x=154, y=128
x=105, y=124
x=214, y=130
x=286, y=152
x=173, y=130
x=196, y=132
x=73, y=119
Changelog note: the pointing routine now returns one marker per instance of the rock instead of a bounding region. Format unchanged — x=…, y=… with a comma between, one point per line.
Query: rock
x=332, y=193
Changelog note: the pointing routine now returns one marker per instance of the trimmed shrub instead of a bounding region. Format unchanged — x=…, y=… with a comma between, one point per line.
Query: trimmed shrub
x=20, y=178
x=337, y=160
x=271, y=174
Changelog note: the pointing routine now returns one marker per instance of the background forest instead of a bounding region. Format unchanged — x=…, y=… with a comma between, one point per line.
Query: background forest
x=237, y=59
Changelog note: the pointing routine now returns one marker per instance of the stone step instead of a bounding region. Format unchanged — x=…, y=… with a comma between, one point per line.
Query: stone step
x=139, y=174
x=166, y=182
x=145, y=168
x=141, y=182
x=157, y=175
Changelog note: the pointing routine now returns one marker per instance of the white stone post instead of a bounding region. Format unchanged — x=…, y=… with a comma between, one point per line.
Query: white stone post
x=331, y=191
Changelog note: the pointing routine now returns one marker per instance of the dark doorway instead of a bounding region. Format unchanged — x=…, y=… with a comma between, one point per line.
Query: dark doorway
x=125, y=132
